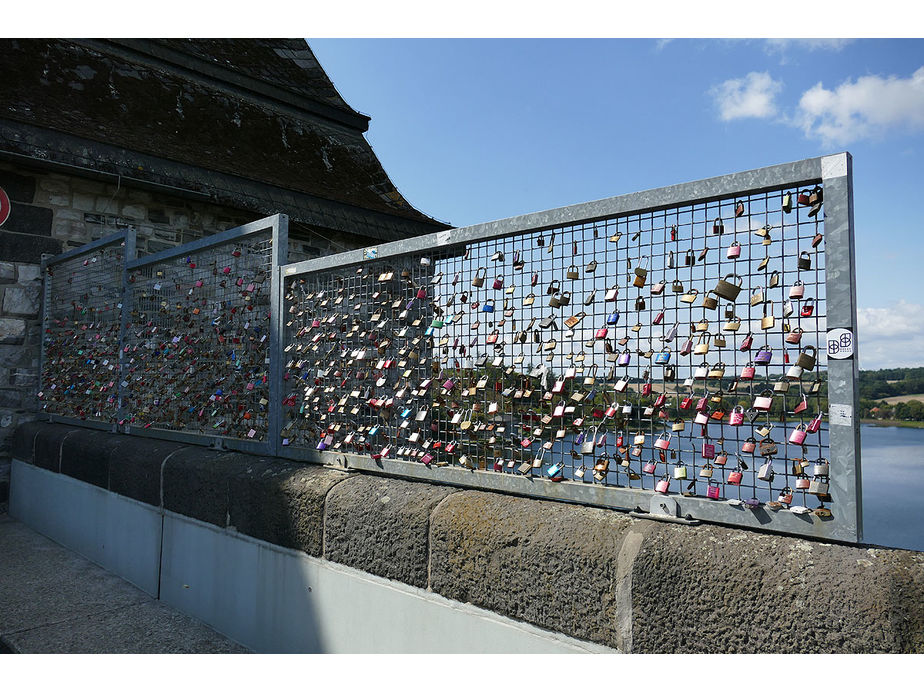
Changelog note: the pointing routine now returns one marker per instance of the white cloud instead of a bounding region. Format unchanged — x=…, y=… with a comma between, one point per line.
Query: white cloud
x=813, y=44
x=891, y=337
x=749, y=97
x=865, y=108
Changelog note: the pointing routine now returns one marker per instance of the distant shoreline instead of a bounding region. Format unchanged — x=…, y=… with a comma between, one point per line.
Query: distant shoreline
x=882, y=423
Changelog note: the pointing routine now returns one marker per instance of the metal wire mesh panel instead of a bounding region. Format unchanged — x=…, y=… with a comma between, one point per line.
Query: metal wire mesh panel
x=677, y=351
x=197, y=341
x=81, y=328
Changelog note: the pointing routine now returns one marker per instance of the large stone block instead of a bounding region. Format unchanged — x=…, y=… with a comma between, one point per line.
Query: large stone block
x=281, y=502
x=382, y=526
x=135, y=467
x=24, y=440
x=85, y=456
x=196, y=483
x=48, y=441
x=20, y=300
x=558, y=566
x=12, y=330
x=713, y=589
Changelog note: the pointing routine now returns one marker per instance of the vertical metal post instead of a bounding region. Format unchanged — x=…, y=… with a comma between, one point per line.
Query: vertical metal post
x=130, y=253
x=280, y=257
x=843, y=373
x=46, y=303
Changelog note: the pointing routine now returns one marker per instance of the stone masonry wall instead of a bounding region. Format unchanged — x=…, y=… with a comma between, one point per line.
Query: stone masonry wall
x=52, y=213
x=598, y=575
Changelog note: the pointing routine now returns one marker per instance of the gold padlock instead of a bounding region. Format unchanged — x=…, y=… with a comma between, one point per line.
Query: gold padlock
x=768, y=321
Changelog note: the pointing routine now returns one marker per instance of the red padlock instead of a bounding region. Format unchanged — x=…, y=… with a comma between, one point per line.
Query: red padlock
x=708, y=451
x=663, y=485
x=815, y=424
x=663, y=443
x=649, y=468
x=749, y=445
x=807, y=308
x=734, y=477
x=747, y=372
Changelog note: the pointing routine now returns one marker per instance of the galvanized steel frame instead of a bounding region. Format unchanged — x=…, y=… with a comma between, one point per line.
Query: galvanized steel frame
x=835, y=173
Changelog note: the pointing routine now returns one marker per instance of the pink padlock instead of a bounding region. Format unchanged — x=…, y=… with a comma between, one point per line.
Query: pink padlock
x=747, y=372
x=427, y=458
x=734, y=251
x=713, y=491
x=795, y=336
x=797, y=437
x=708, y=451
x=803, y=482
x=659, y=318
x=797, y=290
x=421, y=292
x=499, y=282
x=601, y=333
x=701, y=418
x=649, y=468
x=663, y=443
x=764, y=401
x=815, y=424
x=734, y=478
x=449, y=384
x=737, y=416
x=749, y=445
x=663, y=485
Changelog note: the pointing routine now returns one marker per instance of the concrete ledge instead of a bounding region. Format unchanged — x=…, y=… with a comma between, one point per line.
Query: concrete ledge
x=558, y=566
x=195, y=483
x=85, y=456
x=713, y=589
x=280, y=502
x=135, y=466
x=381, y=526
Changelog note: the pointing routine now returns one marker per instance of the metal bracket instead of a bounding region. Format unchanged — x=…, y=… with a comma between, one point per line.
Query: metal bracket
x=664, y=509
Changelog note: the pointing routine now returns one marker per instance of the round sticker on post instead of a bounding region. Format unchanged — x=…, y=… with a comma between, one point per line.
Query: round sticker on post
x=840, y=343
x=4, y=206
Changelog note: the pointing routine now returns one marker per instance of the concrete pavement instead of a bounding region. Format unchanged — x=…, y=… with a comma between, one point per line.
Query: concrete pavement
x=53, y=600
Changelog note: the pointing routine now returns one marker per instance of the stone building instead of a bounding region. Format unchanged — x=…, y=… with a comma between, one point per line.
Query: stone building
x=177, y=139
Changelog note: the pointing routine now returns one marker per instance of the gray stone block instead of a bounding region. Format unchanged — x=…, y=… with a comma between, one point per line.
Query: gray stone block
x=281, y=502
x=562, y=567
x=24, y=440
x=382, y=526
x=7, y=272
x=135, y=467
x=196, y=483
x=85, y=456
x=19, y=300
x=12, y=331
x=48, y=441
x=712, y=589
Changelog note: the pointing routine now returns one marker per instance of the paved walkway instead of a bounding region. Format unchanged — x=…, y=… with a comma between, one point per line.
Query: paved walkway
x=53, y=600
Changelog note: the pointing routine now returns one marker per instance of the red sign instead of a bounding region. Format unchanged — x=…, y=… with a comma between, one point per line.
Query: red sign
x=4, y=206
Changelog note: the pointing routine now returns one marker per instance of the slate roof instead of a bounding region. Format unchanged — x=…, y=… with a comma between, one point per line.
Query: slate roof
x=259, y=114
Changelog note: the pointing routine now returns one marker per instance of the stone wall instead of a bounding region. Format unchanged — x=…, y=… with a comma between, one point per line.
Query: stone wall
x=601, y=576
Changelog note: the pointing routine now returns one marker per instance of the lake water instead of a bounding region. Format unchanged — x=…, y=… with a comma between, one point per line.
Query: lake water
x=892, y=465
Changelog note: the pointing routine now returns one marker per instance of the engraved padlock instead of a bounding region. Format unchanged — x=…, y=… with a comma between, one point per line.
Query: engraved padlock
x=747, y=371
x=737, y=416
x=713, y=491
x=734, y=251
x=734, y=477
x=749, y=445
x=821, y=469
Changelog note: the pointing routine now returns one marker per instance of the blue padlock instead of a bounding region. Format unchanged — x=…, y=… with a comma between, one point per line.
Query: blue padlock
x=555, y=470
x=612, y=318
x=488, y=306
x=663, y=357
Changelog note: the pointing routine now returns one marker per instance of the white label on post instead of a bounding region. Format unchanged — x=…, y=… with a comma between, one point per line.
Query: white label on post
x=840, y=414
x=840, y=343
x=442, y=238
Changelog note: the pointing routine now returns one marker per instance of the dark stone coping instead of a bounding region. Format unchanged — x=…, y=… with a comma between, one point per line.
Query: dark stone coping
x=598, y=575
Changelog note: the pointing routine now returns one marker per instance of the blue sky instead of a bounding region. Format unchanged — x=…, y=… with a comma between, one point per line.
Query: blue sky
x=476, y=130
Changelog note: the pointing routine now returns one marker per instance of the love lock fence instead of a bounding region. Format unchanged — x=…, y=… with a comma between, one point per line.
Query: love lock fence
x=82, y=329
x=685, y=353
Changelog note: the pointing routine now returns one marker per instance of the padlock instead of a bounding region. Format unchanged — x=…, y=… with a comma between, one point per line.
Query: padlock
x=787, y=202
x=680, y=471
x=721, y=458
x=649, y=467
x=728, y=289
x=702, y=418
x=747, y=371
x=734, y=251
x=553, y=288
x=612, y=293
x=499, y=282
x=658, y=318
x=572, y=272
x=734, y=477
x=766, y=472
x=797, y=290
x=701, y=371
x=815, y=424
x=747, y=342
x=565, y=298
x=640, y=303
x=805, y=360
x=663, y=443
x=794, y=336
x=587, y=447
x=708, y=451
x=717, y=370
x=480, y=274
x=689, y=259
x=802, y=483
x=749, y=445
x=774, y=279
x=488, y=306
x=757, y=297
x=555, y=300
x=785, y=496
x=690, y=296
x=712, y=491
x=670, y=374
x=763, y=401
x=701, y=346
x=591, y=267
x=663, y=485
x=624, y=358
x=641, y=273
x=658, y=288
x=718, y=227
x=808, y=307
x=737, y=416
x=818, y=487
x=601, y=333
x=797, y=437
x=706, y=471
x=710, y=302
x=805, y=261
x=663, y=357
x=677, y=286
x=764, y=355
x=821, y=469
